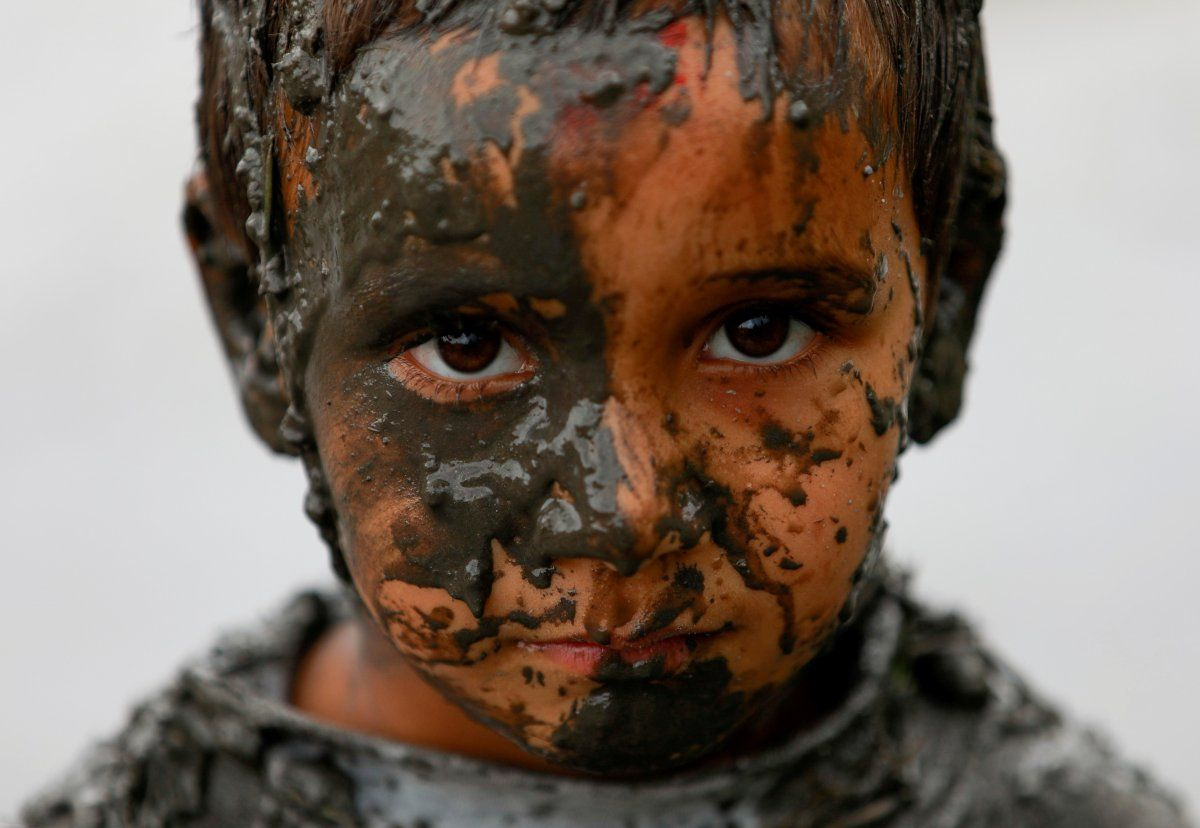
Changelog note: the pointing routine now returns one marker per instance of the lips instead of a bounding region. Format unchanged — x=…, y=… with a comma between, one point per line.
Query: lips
x=641, y=660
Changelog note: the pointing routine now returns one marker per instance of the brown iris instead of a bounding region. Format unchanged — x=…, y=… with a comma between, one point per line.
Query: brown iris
x=470, y=349
x=758, y=333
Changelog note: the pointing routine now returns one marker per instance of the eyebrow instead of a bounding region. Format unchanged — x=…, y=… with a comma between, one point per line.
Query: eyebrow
x=835, y=284
x=418, y=288
x=385, y=295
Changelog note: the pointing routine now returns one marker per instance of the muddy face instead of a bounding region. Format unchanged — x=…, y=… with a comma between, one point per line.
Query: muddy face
x=607, y=374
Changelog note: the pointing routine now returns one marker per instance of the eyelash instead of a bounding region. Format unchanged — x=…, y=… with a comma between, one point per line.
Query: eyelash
x=440, y=390
x=807, y=358
x=415, y=378
x=421, y=382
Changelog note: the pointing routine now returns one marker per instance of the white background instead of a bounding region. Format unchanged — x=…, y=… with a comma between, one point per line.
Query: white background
x=137, y=514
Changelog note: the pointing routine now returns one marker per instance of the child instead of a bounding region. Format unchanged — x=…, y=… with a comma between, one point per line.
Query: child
x=598, y=327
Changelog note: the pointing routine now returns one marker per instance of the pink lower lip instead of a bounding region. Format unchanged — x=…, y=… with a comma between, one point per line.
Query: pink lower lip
x=585, y=658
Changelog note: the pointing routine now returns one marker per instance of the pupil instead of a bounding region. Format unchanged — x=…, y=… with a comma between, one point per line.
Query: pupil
x=758, y=333
x=469, y=350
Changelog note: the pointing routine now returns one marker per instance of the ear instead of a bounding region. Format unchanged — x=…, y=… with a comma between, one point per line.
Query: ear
x=239, y=313
x=978, y=233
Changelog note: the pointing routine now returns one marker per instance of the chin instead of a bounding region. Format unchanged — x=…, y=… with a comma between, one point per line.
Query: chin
x=639, y=727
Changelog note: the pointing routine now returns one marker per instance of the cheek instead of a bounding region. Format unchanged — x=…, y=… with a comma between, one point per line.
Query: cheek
x=420, y=622
x=383, y=530
x=394, y=547
x=807, y=469
x=425, y=539
x=394, y=543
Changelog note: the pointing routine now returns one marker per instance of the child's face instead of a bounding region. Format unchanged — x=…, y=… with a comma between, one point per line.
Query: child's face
x=608, y=382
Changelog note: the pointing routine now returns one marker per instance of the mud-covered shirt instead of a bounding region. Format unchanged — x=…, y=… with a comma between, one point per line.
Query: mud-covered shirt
x=932, y=732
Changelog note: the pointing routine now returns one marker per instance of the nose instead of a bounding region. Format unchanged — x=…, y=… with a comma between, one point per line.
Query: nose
x=641, y=448
x=606, y=501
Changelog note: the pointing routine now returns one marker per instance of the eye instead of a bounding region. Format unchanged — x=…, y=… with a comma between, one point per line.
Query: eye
x=759, y=336
x=467, y=352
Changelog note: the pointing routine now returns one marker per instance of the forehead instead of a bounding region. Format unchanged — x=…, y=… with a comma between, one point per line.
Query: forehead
x=465, y=138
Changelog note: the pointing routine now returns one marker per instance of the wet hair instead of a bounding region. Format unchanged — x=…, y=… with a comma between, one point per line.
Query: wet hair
x=266, y=65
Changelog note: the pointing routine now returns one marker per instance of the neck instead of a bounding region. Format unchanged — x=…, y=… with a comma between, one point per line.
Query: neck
x=353, y=678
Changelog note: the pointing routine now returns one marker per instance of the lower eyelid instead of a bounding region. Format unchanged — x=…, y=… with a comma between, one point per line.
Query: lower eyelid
x=806, y=357
x=415, y=378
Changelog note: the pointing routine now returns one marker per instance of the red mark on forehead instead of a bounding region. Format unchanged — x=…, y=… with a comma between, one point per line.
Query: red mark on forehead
x=576, y=124
x=673, y=34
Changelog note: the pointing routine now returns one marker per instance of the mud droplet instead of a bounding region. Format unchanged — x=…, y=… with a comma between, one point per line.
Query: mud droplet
x=799, y=114
x=825, y=455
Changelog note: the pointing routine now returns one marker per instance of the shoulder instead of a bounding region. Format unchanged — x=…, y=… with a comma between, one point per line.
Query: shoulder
x=151, y=761
x=1071, y=776
x=193, y=752
x=993, y=753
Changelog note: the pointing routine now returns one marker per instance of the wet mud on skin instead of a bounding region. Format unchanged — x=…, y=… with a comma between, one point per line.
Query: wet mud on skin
x=927, y=711
x=652, y=726
x=493, y=478
x=469, y=213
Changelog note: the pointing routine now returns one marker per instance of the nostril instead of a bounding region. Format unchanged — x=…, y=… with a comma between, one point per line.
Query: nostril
x=560, y=492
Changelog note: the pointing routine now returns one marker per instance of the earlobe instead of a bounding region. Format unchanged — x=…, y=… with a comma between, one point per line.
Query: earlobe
x=239, y=313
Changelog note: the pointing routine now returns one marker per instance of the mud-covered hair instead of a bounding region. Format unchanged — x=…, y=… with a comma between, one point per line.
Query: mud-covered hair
x=266, y=65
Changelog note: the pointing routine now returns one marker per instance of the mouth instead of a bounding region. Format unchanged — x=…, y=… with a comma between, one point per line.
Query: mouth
x=629, y=661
